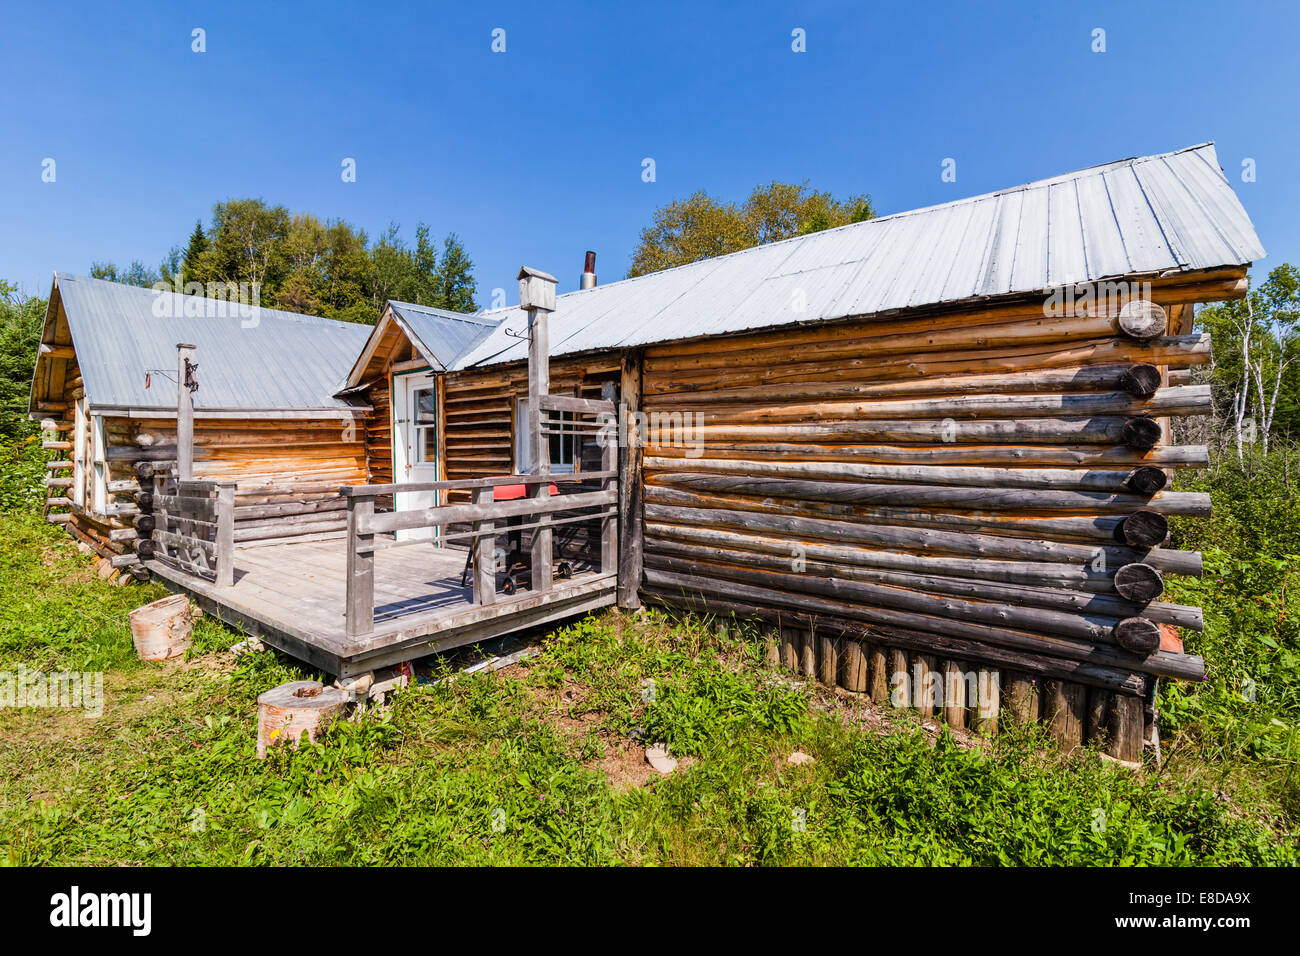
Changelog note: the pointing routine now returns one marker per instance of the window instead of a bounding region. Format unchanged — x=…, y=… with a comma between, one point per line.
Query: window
x=424, y=410
x=563, y=446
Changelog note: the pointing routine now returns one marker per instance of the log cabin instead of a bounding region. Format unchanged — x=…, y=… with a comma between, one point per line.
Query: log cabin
x=928, y=455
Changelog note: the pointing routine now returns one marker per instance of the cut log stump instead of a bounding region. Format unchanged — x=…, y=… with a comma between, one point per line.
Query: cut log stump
x=299, y=707
x=162, y=629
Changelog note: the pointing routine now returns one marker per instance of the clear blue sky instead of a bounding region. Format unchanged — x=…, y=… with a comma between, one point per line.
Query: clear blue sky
x=534, y=155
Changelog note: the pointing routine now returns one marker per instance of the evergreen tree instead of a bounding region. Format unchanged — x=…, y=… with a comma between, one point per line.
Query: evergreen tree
x=194, y=252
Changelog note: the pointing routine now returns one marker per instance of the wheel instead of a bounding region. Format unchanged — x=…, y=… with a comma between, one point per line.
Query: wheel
x=509, y=586
x=563, y=570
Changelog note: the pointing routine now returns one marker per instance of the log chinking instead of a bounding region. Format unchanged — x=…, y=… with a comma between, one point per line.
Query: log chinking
x=994, y=493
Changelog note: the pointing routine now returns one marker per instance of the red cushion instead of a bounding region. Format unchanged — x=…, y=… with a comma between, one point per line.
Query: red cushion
x=515, y=492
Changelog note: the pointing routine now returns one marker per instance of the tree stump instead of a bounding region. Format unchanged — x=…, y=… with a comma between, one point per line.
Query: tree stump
x=299, y=707
x=162, y=629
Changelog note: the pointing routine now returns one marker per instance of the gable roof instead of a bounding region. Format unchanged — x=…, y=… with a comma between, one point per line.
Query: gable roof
x=1174, y=212
x=258, y=359
x=439, y=336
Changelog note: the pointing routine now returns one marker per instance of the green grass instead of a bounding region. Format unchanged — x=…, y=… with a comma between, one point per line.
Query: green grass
x=541, y=763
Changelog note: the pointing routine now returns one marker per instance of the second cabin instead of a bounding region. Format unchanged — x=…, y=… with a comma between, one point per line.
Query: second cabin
x=929, y=453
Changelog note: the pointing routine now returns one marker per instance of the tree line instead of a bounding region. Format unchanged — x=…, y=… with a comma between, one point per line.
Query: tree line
x=301, y=263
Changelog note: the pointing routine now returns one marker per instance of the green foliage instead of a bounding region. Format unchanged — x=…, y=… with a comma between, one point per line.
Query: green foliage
x=328, y=268
x=1248, y=709
x=701, y=227
x=21, y=318
x=1267, y=323
x=541, y=763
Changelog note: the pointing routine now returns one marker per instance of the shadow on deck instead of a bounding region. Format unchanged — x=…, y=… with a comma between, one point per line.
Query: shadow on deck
x=293, y=596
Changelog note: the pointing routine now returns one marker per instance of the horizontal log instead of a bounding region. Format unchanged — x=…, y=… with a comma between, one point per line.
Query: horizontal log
x=1018, y=500
x=1099, y=456
x=56, y=445
x=1040, y=593
x=125, y=487
x=1030, y=431
x=1141, y=380
x=58, y=482
x=1185, y=400
x=1109, y=480
x=1059, y=332
x=1183, y=350
x=924, y=541
x=58, y=518
x=1096, y=629
x=1161, y=663
x=123, y=534
x=58, y=465
x=59, y=502
x=1114, y=679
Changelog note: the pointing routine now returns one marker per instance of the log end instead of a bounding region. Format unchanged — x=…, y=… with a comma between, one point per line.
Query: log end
x=1146, y=480
x=1140, y=381
x=1143, y=320
x=1141, y=433
x=1138, y=635
x=1139, y=583
x=1144, y=528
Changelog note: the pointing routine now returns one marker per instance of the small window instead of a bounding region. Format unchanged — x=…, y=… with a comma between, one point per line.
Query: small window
x=563, y=441
x=424, y=406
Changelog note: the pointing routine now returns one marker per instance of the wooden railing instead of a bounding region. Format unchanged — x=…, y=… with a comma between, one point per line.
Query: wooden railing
x=194, y=529
x=367, y=530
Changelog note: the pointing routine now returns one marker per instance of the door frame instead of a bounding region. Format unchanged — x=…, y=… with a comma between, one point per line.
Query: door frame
x=401, y=389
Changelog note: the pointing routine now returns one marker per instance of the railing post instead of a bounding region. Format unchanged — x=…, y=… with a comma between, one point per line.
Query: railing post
x=484, y=544
x=537, y=298
x=225, y=538
x=360, y=619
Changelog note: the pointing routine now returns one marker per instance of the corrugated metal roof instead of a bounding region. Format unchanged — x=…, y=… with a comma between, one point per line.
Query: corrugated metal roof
x=268, y=360
x=1154, y=214
x=441, y=336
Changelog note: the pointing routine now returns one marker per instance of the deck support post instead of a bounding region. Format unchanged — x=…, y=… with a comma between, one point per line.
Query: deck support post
x=537, y=299
x=630, y=503
x=184, y=413
x=609, y=463
x=360, y=618
x=484, y=544
x=225, y=537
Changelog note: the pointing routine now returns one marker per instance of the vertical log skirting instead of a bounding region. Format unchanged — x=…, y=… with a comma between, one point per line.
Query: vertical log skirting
x=983, y=509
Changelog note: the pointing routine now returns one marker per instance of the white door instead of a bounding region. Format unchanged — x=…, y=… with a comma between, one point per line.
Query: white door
x=415, y=442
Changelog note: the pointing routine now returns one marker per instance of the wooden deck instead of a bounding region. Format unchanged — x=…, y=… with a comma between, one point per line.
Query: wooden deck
x=293, y=596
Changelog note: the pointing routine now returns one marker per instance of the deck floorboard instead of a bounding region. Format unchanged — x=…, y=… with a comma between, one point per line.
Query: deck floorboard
x=294, y=594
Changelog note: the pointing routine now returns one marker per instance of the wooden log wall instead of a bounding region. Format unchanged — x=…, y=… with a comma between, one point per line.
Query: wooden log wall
x=288, y=471
x=977, y=493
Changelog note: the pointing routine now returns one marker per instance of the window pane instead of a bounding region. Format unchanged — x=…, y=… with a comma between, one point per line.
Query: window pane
x=426, y=407
x=426, y=442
